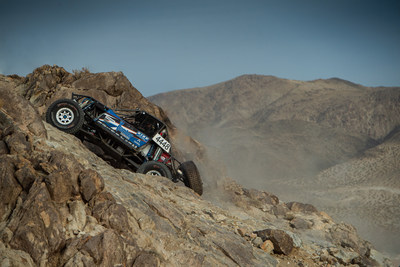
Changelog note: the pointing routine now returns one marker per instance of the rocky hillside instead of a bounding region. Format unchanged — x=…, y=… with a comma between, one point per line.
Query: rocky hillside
x=62, y=205
x=331, y=143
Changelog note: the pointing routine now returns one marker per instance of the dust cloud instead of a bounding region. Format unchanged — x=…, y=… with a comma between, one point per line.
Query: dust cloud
x=293, y=174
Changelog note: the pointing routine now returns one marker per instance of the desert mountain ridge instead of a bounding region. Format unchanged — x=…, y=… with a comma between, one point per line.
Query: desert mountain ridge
x=63, y=205
x=328, y=142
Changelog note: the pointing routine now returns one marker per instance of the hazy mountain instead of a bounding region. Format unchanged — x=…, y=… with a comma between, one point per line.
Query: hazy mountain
x=329, y=142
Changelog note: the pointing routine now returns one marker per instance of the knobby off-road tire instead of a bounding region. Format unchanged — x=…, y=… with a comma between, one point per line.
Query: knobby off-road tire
x=191, y=176
x=155, y=168
x=66, y=115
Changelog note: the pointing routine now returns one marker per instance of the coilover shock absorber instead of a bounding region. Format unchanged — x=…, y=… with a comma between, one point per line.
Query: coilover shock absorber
x=157, y=154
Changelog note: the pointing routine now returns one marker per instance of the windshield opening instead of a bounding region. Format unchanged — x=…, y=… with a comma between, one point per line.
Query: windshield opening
x=149, y=125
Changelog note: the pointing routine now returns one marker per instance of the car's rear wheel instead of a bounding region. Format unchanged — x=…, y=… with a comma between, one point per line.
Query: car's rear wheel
x=155, y=168
x=191, y=176
x=66, y=115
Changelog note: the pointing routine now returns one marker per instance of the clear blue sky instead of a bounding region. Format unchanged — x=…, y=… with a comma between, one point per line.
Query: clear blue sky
x=163, y=45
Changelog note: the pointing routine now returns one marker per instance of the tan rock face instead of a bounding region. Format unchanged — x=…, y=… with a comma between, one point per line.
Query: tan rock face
x=62, y=205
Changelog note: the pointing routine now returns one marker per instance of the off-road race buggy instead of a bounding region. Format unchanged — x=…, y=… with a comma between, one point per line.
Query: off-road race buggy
x=132, y=137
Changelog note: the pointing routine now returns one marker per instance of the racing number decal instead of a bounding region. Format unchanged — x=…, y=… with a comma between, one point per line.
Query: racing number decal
x=164, y=144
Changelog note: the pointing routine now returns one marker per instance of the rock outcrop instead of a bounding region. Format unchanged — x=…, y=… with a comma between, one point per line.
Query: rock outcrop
x=62, y=205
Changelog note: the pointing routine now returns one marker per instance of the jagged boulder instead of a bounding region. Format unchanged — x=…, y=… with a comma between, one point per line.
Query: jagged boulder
x=113, y=83
x=43, y=82
x=90, y=184
x=9, y=187
x=283, y=243
x=109, y=213
x=21, y=111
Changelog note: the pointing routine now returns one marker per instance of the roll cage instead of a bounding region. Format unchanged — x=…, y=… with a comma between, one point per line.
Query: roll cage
x=140, y=119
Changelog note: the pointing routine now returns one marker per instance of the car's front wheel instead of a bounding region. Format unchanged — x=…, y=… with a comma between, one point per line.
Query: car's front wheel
x=66, y=115
x=191, y=176
x=155, y=168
